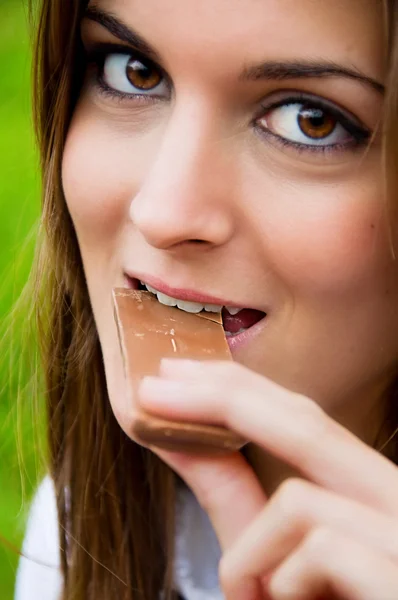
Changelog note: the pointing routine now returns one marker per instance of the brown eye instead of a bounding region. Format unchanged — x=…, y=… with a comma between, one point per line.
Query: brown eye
x=315, y=122
x=141, y=76
x=129, y=76
x=306, y=124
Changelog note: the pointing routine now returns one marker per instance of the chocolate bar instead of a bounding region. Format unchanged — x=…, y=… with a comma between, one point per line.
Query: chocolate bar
x=149, y=331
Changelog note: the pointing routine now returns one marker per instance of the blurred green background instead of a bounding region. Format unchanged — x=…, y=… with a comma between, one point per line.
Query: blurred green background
x=19, y=210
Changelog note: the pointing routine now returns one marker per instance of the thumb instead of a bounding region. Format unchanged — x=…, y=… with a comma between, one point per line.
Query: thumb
x=226, y=487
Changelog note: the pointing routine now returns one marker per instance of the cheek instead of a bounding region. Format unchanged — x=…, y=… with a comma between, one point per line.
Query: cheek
x=89, y=173
x=101, y=173
x=99, y=178
x=327, y=238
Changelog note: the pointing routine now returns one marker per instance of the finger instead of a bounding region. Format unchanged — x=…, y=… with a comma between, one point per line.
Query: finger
x=296, y=509
x=290, y=426
x=226, y=487
x=329, y=565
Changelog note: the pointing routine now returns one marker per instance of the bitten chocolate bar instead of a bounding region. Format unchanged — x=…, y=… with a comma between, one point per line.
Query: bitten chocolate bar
x=149, y=331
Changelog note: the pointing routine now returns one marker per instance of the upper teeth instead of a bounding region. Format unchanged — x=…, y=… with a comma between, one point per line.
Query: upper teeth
x=192, y=307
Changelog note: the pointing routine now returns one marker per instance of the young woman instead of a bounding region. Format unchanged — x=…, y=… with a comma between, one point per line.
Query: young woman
x=240, y=153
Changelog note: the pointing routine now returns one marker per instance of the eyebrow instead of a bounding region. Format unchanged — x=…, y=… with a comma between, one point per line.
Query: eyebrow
x=269, y=70
x=307, y=69
x=121, y=31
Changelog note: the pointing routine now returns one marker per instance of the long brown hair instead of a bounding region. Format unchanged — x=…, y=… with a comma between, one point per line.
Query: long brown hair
x=115, y=499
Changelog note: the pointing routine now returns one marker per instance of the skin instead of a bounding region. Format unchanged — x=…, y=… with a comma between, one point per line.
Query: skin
x=302, y=236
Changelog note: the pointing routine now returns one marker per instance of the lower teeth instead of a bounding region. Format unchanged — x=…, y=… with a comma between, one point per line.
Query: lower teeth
x=241, y=330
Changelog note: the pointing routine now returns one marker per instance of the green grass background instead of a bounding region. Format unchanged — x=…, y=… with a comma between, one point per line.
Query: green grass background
x=19, y=210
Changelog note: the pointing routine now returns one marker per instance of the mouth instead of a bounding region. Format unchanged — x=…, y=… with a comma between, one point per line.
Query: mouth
x=237, y=321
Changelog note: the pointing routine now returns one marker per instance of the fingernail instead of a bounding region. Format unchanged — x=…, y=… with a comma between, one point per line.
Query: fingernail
x=172, y=365
x=154, y=391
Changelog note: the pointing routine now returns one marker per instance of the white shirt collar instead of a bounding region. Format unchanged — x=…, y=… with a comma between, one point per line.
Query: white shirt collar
x=197, y=551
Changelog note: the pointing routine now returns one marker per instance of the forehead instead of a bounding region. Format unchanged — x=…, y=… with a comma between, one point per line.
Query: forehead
x=239, y=31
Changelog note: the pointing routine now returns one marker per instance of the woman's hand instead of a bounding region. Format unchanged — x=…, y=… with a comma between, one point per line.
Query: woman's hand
x=334, y=536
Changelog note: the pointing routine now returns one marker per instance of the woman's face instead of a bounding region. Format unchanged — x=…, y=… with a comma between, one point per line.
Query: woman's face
x=219, y=147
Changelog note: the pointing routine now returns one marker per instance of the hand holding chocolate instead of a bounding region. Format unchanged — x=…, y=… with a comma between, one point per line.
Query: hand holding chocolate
x=150, y=331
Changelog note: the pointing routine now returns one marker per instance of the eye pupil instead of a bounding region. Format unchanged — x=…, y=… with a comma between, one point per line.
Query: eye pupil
x=142, y=76
x=315, y=122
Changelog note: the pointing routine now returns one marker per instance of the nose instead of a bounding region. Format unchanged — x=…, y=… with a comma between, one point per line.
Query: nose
x=186, y=196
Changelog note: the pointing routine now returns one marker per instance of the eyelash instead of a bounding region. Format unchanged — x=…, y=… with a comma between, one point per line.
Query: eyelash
x=360, y=134
x=96, y=57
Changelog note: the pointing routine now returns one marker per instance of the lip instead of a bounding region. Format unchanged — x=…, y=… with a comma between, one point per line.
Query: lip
x=180, y=293
x=235, y=342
